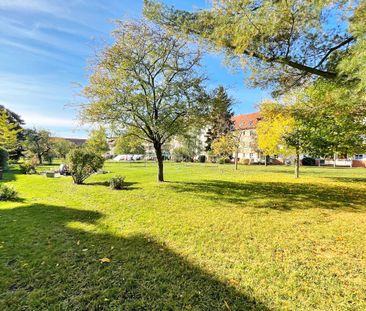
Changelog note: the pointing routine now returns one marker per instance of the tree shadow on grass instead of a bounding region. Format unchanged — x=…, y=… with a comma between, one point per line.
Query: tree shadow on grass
x=127, y=185
x=275, y=195
x=49, y=259
x=10, y=175
x=349, y=179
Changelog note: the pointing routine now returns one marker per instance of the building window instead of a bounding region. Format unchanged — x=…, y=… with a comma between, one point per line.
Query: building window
x=243, y=155
x=251, y=155
x=359, y=156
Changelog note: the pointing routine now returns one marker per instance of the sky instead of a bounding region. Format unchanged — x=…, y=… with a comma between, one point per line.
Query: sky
x=45, y=49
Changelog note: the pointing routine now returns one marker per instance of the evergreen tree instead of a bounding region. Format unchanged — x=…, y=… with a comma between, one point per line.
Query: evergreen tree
x=17, y=121
x=220, y=118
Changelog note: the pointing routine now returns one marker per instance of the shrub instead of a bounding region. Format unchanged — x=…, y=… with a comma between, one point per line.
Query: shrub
x=117, y=182
x=29, y=166
x=181, y=154
x=244, y=161
x=202, y=158
x=7, y=193
x=222, y=160
x=308, y=162
x=82, y=163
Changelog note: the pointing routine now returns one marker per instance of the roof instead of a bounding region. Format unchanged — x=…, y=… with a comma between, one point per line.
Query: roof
x=246, y=121
x=76, y=141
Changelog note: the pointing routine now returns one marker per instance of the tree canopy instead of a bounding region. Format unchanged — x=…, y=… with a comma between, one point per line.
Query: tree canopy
x=97, y=141
x=8, y=132
x=147, y=80
x=220, y=117
x=37, y=143
x=285, y=44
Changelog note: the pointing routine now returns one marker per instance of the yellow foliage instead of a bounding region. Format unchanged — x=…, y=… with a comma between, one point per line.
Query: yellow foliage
x=275, y=124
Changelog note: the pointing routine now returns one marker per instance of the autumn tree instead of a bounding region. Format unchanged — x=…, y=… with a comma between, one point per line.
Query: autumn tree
x=278, y=133
x=146, y=80
x=285, y=44
x=220, y=117
x=224, y=145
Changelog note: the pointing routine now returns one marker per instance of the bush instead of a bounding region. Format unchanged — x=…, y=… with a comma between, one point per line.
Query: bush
x=82, y=163
x=244, y=161
x=181, y=154
x=117, y=182
x=29, y=166
x=308, y=162
x=222, y=161
x=202, y=158
x=7, y=193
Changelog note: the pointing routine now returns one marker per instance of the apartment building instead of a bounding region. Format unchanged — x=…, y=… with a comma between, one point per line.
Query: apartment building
x=245, y=129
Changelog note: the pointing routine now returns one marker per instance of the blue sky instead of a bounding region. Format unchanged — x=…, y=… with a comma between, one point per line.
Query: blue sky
x=45, y=46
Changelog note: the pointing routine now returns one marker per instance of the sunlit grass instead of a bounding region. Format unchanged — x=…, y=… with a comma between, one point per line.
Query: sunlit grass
x=210, y=238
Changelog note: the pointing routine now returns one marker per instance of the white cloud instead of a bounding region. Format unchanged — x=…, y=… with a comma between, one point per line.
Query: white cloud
x=39, y=120
x=28, y=48
x=32, y=6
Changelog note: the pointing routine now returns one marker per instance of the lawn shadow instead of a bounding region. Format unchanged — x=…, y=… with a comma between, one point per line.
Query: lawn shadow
x=349, y=179
x=127, y=185
x=50, y=259
x=10, y=175
x=275, y=195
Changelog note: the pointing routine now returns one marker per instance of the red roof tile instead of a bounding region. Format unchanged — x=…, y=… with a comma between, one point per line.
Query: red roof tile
x=246, y=121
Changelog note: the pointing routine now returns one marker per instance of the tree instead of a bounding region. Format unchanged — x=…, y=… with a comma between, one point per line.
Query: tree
x=285, y=44
x=38, y=143
x=278, y=133
x=97, y=141
x=332, y=119
x=8, y=132
x=224, y=145
x=190, y=143
x=82, y=163
x=129, y=144
x=181, y=154
x=146, y=80
x=18, y=123
x=62, y=147
x=8, y=137
x=220, y=117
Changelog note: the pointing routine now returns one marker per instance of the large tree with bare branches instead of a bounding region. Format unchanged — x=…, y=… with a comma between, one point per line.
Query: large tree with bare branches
x=148, y=81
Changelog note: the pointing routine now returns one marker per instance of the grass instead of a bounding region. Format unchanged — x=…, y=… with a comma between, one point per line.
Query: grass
x=208, y=239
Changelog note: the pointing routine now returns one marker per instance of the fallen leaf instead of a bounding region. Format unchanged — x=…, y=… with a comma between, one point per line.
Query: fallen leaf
x=104, y=260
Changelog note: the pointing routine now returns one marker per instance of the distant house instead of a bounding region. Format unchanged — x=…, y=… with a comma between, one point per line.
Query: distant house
x=245, y=128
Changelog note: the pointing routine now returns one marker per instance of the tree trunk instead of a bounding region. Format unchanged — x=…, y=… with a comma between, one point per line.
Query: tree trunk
x=334, y=160
x=159, y=157
x=39, y=156
x=297, y=165
x=236, y=159
x=265, y=160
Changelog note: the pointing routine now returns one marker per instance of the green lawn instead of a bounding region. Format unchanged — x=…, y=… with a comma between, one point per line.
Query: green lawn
x=208, y=239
